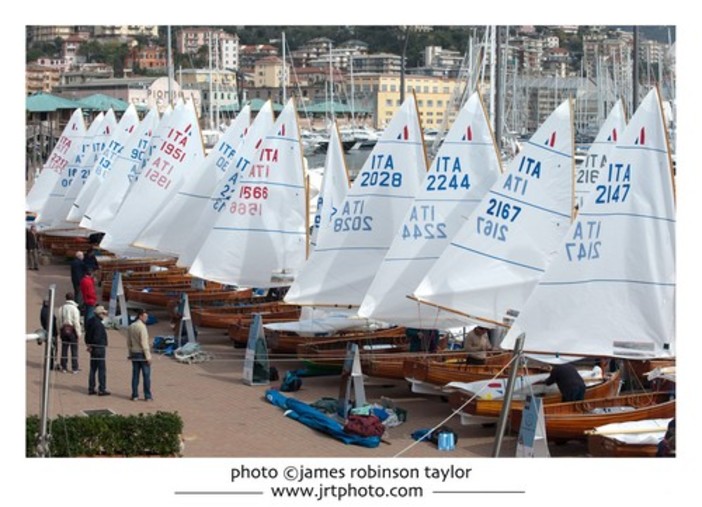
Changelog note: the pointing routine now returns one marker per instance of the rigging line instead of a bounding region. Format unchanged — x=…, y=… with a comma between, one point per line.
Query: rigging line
x=455, y=412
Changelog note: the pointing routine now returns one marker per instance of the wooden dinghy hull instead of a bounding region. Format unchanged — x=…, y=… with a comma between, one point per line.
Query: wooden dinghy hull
x=440, y=373
x=491, y=408
x=571, y=420
x=331, y=352
x=392, y=365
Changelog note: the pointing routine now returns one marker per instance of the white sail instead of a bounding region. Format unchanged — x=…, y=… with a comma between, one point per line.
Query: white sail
x=113, y=149
x=598, y=154
x=172, y=227
x=610, y=290
x=260, y=239
x=360, y=234
x=52, y=213
x=335, y=186
x=178, y=152
x=227, y=185
x=57, y=164
x=100, y=142
x=494, y=261
x=464, y=169
x=124, y=172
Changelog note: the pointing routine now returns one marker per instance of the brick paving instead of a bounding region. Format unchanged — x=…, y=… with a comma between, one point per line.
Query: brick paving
x=222, y=416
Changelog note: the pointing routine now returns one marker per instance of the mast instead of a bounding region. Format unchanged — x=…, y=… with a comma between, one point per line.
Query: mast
x=285, y=99
x=499, y=99
x=170, y=66
x=353, y=92
x=209, y=47
x=635, y=84
x=331, y=84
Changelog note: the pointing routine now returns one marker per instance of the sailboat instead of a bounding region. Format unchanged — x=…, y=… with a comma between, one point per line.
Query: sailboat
x=81, y=160
x=227, y=185
x=493, y=263
x=339, y=272
x=488, y=269
x=334, y=188
x=179, y=151
x=105, y=131
x=172, y=227
x=611, y=286
x=489, y=405
x=464, y=169
x=123, y=173
x=599, y=152
x=261, y=238
x=57, y=164
x=114, y=148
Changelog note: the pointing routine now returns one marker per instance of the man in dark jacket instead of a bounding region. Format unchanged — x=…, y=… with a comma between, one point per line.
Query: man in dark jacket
x=96, y=340
x=570, y=382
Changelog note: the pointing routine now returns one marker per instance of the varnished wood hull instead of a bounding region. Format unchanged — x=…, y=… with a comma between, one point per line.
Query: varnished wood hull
x=225, y=316
x=601, y=446
x=335, y=347
x=440, y=373
x=492, y=408
x=381, y=345
x=195, y=296
x=571, y=420
x=392, y=366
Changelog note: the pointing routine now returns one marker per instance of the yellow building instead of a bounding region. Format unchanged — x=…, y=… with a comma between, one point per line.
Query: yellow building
x=381, y=94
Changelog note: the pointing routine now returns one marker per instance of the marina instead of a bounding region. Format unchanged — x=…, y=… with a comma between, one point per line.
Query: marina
x=352, y=306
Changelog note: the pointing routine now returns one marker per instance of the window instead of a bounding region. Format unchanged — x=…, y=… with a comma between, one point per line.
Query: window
x=430, y=103
x=420, y=103
x=439, y=103
x=388, y=102
x=393, y=88
x=435, y=89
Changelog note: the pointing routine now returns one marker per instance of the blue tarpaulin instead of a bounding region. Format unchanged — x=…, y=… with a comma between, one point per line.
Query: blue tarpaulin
x=310, y=416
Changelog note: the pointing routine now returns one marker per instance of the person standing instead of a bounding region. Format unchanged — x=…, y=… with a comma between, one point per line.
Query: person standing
x=87, y=288
x=77, y=272
x=44, y=318
x=96, y=340
x=70, y=329
x=140, y=355
x=32, y=249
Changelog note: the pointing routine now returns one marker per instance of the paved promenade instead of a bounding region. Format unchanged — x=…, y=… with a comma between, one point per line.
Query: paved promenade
x=222, y=416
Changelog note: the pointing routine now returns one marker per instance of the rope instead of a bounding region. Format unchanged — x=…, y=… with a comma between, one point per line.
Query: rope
x=454, y=412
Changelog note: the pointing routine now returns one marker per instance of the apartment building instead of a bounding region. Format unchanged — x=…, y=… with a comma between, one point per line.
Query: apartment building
x=41, y=78
x=380, y=93
x=224, y=46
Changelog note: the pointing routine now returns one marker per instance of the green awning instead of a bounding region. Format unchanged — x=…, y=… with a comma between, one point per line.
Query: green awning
x=46, y=103
x=257, y=104
x=101, y=102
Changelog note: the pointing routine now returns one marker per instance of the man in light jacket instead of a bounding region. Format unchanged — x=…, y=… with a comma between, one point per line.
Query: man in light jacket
x=70, y=329
x=140, y=355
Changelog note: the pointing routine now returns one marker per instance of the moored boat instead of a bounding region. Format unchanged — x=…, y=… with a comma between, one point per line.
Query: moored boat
x=571, y=420
x=488, y=406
